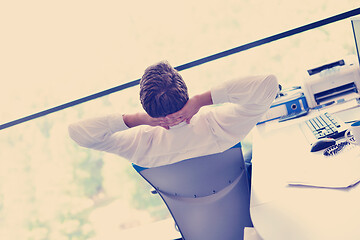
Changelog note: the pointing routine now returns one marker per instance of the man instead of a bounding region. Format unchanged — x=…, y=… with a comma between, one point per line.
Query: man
x=171, y=129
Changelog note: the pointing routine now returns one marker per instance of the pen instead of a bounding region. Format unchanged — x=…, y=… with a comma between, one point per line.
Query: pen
x=324, y=105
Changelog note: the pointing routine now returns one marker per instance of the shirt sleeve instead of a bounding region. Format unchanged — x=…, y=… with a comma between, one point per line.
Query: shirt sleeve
x=90, y=132
x=259, y=90
x=249, y=99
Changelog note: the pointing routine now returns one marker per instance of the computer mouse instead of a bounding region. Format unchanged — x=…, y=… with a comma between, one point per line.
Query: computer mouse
x=322, y=144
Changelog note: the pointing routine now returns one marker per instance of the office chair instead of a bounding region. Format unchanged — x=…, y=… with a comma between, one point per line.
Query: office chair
x=208, y=196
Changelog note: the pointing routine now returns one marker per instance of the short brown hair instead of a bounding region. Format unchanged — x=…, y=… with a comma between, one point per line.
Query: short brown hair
x=162, y=90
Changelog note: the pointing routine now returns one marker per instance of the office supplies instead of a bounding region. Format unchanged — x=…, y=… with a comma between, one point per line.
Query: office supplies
x=290, y=103
x=322, y=144
x=335, y=149
x=325, y=125
x=282, y=210
x=329, y=103
x=331, y=81
x=290, y=182
x=293, y=115
x=355, y=130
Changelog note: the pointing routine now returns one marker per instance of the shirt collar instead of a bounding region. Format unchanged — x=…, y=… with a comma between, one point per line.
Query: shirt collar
x=179, y=125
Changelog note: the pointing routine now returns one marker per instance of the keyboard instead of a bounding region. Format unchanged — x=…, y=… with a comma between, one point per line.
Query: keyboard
x=326, y=125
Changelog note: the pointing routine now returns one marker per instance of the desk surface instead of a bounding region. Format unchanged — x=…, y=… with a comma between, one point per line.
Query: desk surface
x=280, y=211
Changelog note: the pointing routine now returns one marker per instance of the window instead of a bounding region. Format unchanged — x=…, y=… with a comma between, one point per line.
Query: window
x=57, y=52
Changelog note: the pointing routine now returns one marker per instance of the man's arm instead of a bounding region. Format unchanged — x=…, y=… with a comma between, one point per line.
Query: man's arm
x=192, y=106
x=136, y=119
x=254, y=93
x=94, y=132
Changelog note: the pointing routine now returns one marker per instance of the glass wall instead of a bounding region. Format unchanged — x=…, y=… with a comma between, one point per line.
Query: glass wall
x=53, y=53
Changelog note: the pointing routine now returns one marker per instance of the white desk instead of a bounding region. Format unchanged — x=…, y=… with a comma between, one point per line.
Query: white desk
x=280, y=211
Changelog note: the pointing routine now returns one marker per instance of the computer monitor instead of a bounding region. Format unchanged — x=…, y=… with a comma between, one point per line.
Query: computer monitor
x=355, y=22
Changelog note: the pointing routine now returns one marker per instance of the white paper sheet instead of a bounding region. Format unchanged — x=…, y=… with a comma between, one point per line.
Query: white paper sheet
x=338, y=171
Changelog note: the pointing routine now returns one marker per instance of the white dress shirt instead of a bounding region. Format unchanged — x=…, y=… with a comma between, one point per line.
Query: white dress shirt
x=212, y=130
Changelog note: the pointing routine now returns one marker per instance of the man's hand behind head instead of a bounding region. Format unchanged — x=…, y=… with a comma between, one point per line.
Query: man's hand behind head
x=142, y=118
x=192, y=106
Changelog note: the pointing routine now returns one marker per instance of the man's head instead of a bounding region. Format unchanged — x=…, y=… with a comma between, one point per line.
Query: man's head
x=162, y=90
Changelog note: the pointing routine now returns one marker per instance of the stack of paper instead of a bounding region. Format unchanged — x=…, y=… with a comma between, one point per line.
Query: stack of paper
x=338, y=171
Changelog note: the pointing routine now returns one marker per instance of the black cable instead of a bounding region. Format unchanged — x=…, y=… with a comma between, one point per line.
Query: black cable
x=210, y=58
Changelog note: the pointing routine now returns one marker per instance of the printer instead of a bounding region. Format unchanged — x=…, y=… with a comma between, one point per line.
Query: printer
x=337, y=81
x=331, y=82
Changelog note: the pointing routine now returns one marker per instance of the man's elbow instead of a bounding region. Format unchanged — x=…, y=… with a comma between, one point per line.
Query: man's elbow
x=272, y=81
x=72, y=132
x=270, y=88
x=272, y=85
x=74, y=135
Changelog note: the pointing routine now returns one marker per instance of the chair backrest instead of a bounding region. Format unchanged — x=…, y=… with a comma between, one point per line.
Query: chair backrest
x=207, y=196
